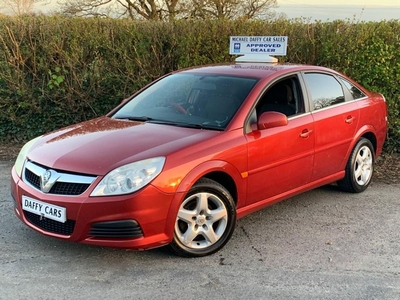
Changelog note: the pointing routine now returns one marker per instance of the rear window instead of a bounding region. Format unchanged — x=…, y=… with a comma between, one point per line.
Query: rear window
x=354, y=91
x=325, y=90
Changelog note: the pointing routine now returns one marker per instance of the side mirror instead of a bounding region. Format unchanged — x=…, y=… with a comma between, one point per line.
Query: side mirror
x=271, y=119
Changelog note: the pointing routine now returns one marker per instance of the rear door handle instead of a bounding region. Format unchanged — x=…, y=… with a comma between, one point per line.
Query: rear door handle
x=349, y=119
x=305, y=133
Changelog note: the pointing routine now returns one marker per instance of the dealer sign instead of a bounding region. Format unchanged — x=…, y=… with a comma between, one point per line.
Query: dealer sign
x=271, y=45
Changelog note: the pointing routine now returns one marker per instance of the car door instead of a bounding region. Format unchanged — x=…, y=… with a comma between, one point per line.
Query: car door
x=335, y=123
x=280, y=159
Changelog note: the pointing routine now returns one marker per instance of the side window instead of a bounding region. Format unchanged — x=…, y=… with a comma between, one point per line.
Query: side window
x=354, y=91
x=284, y=97
x=325, y=90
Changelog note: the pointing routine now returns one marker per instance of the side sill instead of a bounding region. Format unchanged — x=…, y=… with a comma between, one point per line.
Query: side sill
x=244, y=211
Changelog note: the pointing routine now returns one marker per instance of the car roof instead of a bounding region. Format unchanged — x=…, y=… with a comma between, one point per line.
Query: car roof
x=257, y=70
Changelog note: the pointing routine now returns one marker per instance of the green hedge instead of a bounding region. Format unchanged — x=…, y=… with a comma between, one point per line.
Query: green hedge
x=55, y=71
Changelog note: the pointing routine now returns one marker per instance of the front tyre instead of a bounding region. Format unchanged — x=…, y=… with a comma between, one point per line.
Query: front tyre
x=205, y=221
x=359, y=168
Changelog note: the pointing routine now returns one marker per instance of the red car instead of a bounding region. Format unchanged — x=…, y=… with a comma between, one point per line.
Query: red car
x=178, y=162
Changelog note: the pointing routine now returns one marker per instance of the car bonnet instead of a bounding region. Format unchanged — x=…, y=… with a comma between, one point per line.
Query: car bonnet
x=100, y=145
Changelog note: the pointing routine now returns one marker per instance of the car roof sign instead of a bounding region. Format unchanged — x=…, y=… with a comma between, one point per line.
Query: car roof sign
x=258, y=48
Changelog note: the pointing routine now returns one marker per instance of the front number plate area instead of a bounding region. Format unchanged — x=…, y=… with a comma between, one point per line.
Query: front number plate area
x=46, y=210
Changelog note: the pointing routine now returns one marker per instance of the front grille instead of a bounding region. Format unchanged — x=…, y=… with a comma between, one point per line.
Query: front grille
x=65, y=188
x=124, y=229
x=66, y=184
x=49, y=225
x=32, y=178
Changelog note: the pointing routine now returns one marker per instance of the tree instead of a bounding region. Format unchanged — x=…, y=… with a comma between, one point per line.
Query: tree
x=146, y=9
x=170, y=9
x=18, y=7
x=86, y=7
x=232, y=9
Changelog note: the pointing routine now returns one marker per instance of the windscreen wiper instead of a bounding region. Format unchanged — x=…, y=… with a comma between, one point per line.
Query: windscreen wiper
x=186, y=125
x=133, y=118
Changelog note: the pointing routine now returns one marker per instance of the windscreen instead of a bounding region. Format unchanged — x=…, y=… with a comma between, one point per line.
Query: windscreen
x=189, y=100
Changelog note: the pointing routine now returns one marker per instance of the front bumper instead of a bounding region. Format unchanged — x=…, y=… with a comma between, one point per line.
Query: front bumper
x=142, y=220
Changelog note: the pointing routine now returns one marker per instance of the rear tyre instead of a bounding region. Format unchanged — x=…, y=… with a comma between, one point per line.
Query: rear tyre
x=205, y=221
x=359, y=168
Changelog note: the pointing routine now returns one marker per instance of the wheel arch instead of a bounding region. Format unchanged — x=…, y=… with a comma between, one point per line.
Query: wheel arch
x=225, y=180
x=367, y=132
x=372, y=138
x=222, y=172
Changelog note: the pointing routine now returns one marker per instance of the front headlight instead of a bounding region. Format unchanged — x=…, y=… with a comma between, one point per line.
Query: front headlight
x=129, y=178
x=19, y=162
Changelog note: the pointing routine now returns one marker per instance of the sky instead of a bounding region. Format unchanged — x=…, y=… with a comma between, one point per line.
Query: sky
x=355, y=10
x=341, y=2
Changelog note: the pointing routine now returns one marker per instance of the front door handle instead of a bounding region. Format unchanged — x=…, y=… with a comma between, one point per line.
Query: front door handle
x=305, y=133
